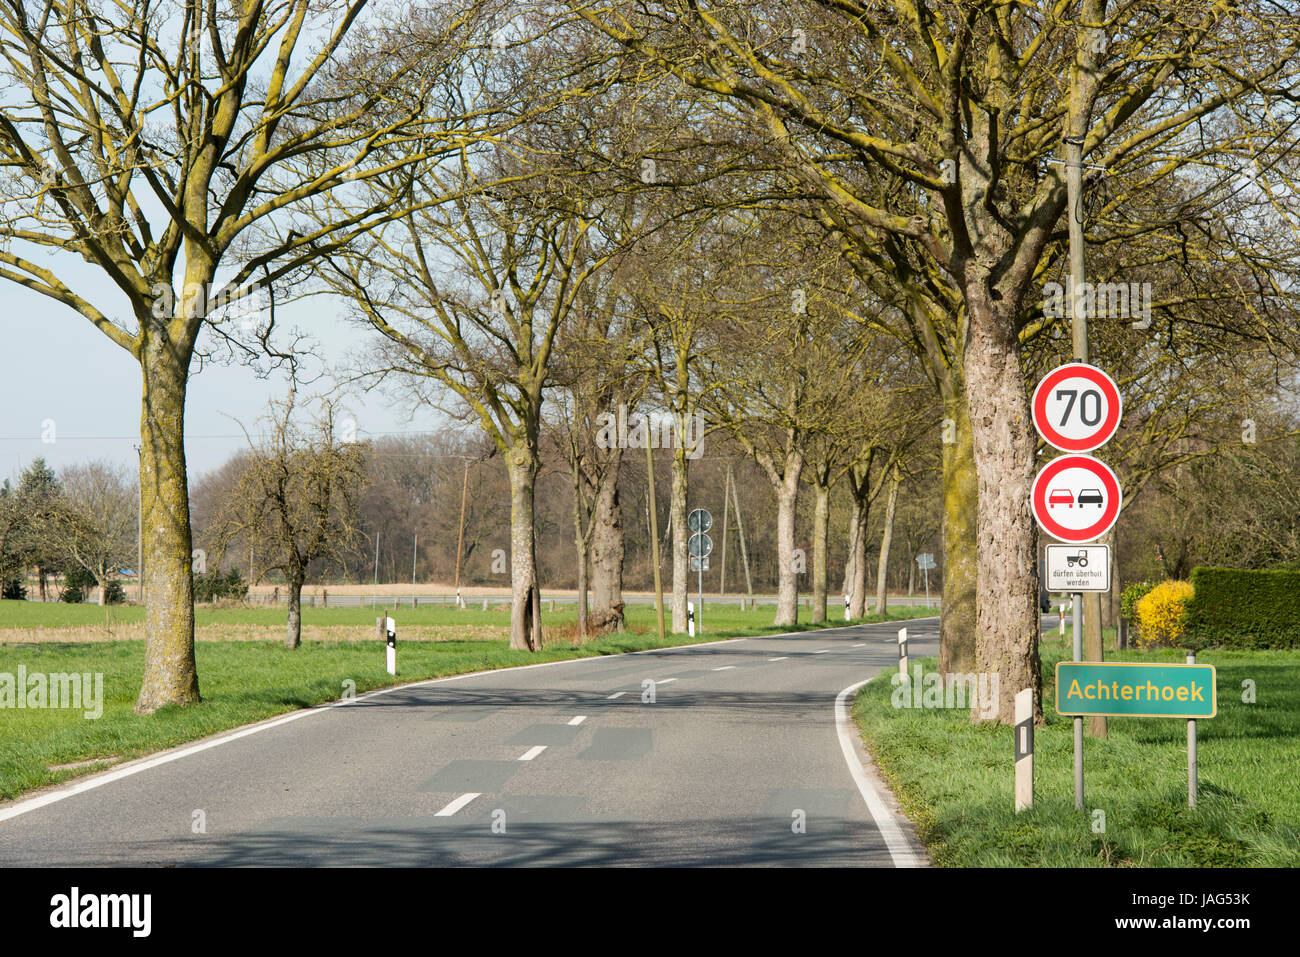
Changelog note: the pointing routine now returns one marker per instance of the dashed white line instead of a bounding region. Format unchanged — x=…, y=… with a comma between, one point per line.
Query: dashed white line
x=822, y=652
x=616, y=694
x=782, y=658
x=860, y=644
x=578, y=720
x=664, y=681
x=724, y=668
x=457, y=804
x=532, y=752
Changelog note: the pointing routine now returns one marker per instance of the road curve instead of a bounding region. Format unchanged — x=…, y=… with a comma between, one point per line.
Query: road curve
x=737, y=761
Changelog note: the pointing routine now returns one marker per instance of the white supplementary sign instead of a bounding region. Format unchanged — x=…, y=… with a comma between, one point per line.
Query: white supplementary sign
x=1077, y=568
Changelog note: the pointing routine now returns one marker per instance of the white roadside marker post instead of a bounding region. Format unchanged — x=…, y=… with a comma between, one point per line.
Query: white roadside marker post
x=690, y=619
x=1191, y=752
x=902, y=654
x=846, y=607
x=1024, y=749
x=390, y=628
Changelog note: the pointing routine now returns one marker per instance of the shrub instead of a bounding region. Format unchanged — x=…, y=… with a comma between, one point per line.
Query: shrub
x=1130, y=596
x=214, y=586
x=1239, y=608
x=80, y=585
x=1161, y=615
x=13, y=590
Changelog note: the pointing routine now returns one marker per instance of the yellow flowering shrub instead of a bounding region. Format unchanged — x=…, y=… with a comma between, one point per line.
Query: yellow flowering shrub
x=1160, y=614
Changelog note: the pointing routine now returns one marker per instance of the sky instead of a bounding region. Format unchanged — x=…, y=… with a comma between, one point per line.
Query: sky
x=69, y=394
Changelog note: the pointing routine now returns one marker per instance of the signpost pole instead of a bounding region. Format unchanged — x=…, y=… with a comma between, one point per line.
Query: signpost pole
x=699, y=624
x=1076, y=606
x=1191, y=752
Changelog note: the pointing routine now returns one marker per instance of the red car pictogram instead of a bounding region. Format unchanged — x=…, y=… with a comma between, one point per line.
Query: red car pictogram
x=1060, y=496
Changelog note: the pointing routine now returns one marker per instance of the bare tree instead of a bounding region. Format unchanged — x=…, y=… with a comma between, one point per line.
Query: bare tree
x=96, y=527
x=296, y=498
x=168, y=143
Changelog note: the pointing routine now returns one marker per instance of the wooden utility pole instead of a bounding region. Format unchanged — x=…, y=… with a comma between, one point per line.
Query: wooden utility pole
x=740, y=531
x=654, y=539
x=460, y=537
x=726, y=495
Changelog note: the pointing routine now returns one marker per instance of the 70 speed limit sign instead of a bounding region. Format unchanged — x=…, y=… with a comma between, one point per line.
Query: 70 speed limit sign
x=1077, y=407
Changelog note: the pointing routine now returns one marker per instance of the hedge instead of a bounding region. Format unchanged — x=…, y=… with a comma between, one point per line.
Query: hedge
x=1235, y=608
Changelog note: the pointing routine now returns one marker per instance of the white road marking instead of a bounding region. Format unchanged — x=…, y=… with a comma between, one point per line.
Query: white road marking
x=782, y=658
x=899, y=848
x=616, y=694
x=457, y=804
x=578, y=720
x=532, y=752
x=860, y=644
x=664, y=681
x=822, y=652
x=724, y=668
x=81, y=786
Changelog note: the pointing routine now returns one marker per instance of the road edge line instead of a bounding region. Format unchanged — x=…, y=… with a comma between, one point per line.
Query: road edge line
x=902, y=851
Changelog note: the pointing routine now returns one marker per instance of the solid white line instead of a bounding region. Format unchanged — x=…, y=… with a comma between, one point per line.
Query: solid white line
x=822, y=652
x=664, y=681
x=782, y=658
x=899, y=848
x=724, y=668
x=860, y=644
x=457, y=804
x=616, y=694
x=578, y=720
x=532, y=752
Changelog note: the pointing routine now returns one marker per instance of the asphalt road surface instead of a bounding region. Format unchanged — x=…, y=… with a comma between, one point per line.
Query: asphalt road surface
x=738, y=760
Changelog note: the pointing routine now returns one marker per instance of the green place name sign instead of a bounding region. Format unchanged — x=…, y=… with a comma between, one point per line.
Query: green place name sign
x=1135, y=690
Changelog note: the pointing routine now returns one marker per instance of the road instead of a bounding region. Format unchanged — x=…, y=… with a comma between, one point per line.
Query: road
x=561, y=764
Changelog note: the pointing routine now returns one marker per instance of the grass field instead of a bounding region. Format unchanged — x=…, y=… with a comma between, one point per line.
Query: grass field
x=955, y=780
x=29, y=621
x=253, y=678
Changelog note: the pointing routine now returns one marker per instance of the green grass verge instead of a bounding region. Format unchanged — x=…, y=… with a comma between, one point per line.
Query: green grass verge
x=247, y=681
x=954, y=780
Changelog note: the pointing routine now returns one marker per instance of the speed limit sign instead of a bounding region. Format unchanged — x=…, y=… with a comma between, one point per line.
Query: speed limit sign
x=1077, y=407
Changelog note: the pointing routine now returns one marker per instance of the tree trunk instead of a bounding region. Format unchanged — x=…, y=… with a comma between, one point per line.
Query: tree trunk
x=960, y=544
x=860, y=513
x=170, y=675
x=1006, y=637
x=525, y=601
x=293, y=626
x=821, y=529
x=608, y=550
x=681, y=536
x=886, y=539
x=787, y=493
x=1110, y=600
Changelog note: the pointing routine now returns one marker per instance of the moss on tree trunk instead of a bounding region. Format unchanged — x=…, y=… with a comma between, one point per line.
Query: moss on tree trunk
x=170, y=675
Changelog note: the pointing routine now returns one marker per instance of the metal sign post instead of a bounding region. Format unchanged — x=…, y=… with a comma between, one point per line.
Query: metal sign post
x=1076, y=607
x=700, y=546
